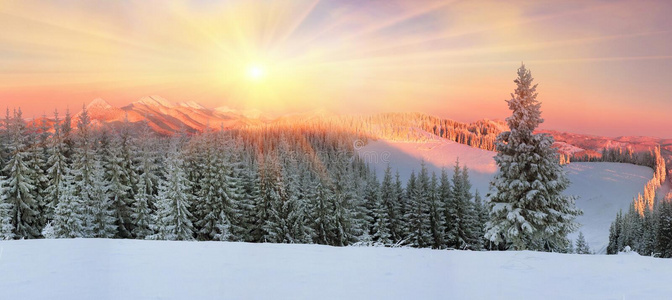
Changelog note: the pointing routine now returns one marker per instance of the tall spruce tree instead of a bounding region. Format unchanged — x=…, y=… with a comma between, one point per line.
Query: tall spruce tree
x=84, y=163
x=56, y=167
x=117, y=180
x=212, y=198
x=581, y=245
x=21, y=180
x=147, y=185
x=6, y=228
x=527, y=207
x=436, y=216
x=390, y=202
x=320, y=212
x=69, y=212
x=417, y=214
x=173, y=215
x=663, y=230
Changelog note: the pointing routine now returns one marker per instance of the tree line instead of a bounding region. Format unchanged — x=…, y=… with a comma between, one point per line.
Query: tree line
x=647, y=225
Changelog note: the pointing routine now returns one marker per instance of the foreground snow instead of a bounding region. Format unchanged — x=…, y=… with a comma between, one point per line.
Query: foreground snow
x=128, y=269
x=603, y=188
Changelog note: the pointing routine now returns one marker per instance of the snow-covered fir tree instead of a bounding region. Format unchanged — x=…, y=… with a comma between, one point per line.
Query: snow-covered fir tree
x=84, y=163
x=371, y=203
x=663, y=230
x=56, y=167
x=417, y=215
x=527, y=207
x=38, y=163
x=21, y=179
x=436, y=220
x=173, y=218
x=6, y=227
x=117, y=181
x=380, y=230
x=462, y=217
x=69, y=213
x=147, y=185
x=247, y=225
x=103, y=222
x=212, y=198
x=297, y=208
x=320, y=211
x=581, y=246
x=392, y=208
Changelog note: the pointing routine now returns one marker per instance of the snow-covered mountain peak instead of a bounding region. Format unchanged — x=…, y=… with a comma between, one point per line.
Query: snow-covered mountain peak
x=192, y=104
x=225, y=109
x=155, y=101
x=98, y=103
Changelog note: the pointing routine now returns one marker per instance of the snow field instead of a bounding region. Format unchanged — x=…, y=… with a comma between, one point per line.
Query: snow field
x=135, y=269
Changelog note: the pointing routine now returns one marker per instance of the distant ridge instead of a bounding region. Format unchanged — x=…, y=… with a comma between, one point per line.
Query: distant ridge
x=166, y=117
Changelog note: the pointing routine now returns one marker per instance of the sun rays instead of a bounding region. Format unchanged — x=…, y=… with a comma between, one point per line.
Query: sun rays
x=296, y=54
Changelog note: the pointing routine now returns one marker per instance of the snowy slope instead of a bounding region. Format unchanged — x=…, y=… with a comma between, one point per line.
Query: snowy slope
x=437, y=154
x=132, y=269
x=603, y=188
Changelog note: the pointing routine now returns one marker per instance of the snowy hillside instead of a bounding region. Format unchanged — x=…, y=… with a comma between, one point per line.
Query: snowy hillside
x=131, y=269
x=437, y=154
x=603, y=188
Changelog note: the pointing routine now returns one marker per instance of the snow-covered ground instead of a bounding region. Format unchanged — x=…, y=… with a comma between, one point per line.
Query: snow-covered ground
x=603, y=188
x=131, y=269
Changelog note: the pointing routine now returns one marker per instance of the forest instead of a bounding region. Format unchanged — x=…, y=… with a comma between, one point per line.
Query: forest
x=282, y=183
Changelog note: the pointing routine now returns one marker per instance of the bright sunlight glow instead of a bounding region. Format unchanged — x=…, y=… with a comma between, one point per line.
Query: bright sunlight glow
x=256, y=72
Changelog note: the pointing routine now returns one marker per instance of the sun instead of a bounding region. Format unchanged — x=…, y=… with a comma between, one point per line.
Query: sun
x=256, y=72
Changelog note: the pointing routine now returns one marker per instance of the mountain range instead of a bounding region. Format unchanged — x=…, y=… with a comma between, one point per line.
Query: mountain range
x=167, y=117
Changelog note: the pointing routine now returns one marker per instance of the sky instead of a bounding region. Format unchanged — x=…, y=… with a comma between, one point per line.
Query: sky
x=603, y=67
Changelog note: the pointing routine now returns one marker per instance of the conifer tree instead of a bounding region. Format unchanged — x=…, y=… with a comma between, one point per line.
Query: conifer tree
x=400, y=209
x=581, y=245
x=664, y=230
x=320, y=212
x=212, y=198
x=445, y=194
x=173, y=215
x=417, y=214
x=436, y=220
x=238, y=206
x=6, y=228
x=390, y=202
x=344, y=201
x=272, y=211
x=527, y=207
x=83, y=166
x=117, y=183
x=56, y=167
x=38, y=164
x=298, y=220
x=146, y=186
x=371, y=202
x=20, y=186
x=103, y=221
x=248, y=227
x=69, y=219
x=464, y=223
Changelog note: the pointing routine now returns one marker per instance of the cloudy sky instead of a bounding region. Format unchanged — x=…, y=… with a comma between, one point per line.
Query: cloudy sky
x=603, y=67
